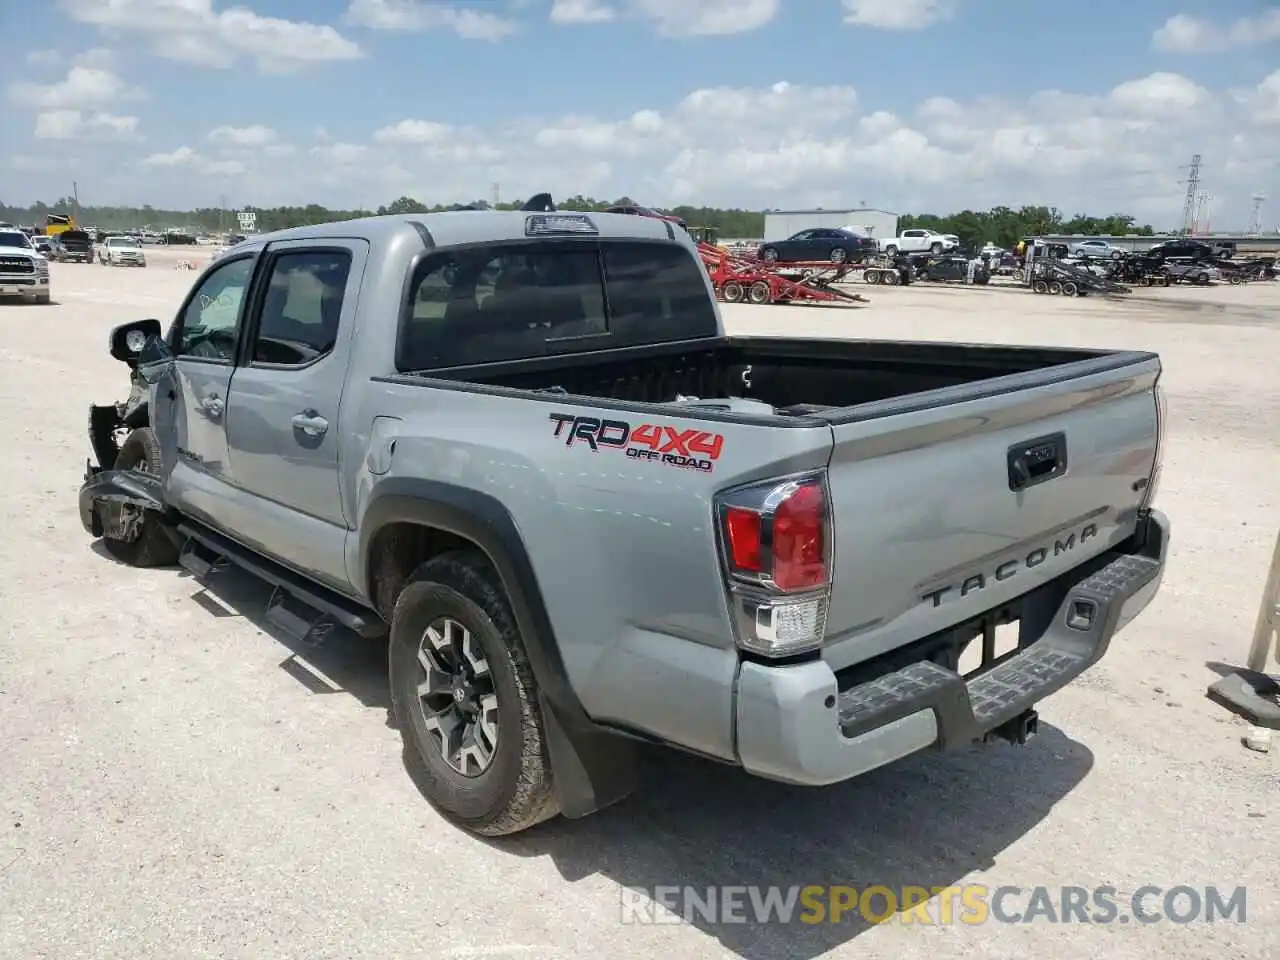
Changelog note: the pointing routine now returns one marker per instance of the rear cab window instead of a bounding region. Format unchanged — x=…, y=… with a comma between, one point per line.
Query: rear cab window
x=522, y=299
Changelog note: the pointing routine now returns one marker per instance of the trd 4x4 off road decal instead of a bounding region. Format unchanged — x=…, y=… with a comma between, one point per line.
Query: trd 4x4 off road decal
x=659, y=443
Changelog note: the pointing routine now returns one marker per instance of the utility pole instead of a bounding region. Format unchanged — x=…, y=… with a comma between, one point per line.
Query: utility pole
x=222, y=210
x=1193, y=187
x=1255, y=219
x=496, y=194
x=75, y=203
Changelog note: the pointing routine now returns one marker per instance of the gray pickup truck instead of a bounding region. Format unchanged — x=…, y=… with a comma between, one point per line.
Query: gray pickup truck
x=522, y=445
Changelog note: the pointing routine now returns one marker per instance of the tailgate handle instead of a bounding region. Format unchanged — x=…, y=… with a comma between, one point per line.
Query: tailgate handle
x=1037, y=461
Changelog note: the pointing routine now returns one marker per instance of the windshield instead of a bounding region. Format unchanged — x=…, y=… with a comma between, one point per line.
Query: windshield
x=119, y=242
x=8, y=239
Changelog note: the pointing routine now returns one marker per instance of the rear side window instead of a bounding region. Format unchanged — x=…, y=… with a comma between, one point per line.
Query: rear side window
x=302, y=306
x=499, y=302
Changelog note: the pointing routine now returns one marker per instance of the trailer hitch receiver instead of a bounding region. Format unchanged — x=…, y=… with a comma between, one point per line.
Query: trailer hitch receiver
x=1018, y=730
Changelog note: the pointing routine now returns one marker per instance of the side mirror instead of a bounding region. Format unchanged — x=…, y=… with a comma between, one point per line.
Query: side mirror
x=154, y=359
x=128, y=340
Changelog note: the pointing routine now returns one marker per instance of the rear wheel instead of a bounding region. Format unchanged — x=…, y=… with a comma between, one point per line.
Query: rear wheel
x=1069, y=289
x=769, y=255
x=131, y=534
x=1040, y=287
x=935, y=249
x=891, y=250
x=732, y=292
x=872, y=277
x=1055, y=287
x=760, y=292
x=465, y=698
x=1018, y=275
x=839, y=255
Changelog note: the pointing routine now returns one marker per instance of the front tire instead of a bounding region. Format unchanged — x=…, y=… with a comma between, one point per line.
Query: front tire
x=466, y=702
x=769, y=255
x=145, y=542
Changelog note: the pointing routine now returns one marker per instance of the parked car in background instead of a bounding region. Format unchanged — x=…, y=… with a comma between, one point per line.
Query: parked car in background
x=955, y=269
x=74, y=245
x=42, y=245
x=121, y=251
x=23, y=271
x=1189, y=271
x=820, y=243
x=920, y=241
x=1096, y=248
x=1183, y=248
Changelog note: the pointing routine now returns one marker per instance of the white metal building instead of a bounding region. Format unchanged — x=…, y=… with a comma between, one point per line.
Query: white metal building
x=780, y=224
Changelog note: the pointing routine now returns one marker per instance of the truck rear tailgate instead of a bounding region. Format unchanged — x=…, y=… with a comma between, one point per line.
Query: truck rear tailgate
x=950, y=503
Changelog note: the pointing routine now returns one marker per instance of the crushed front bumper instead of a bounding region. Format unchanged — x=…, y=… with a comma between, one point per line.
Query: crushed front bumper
x=799, y=724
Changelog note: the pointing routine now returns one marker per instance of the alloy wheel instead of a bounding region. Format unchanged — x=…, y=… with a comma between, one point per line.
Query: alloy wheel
x=456, y=696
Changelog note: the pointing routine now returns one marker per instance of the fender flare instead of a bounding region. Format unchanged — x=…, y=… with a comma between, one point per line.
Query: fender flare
x=592, y=767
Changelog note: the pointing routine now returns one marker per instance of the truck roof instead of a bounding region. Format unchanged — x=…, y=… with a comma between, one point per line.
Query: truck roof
x=453, y=227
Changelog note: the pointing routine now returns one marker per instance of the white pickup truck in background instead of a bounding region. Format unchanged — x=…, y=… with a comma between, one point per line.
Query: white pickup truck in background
x=919, y=241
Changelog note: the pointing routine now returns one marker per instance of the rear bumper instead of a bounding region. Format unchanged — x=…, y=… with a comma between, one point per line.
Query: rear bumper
x=797, y=724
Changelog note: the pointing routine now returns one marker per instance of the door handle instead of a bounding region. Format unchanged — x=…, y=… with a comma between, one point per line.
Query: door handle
x=310, y=423
x=212, y=405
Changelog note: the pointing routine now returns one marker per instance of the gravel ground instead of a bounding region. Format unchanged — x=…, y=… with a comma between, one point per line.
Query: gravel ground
x=169, y=791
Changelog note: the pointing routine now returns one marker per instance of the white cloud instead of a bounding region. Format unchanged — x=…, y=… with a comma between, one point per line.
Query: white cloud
x=1160, y=94
x=705, y=18
x=898, y=14
x=186, y=159
x=416, y=16
x=178, y=157
x=413, y=131
x=193, y=32
x=83, y=87
x=1182, y=33
x=252, y=136
x=582, y=11
x=78, y=125
x=341, y=154
x=788, y=145
x=1263, y=101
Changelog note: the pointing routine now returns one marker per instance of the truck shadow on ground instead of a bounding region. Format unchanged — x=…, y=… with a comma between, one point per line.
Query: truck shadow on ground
x=927, y=821
x=334, y=661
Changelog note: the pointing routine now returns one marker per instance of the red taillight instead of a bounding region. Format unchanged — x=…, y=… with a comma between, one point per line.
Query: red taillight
x=742, y=529
x=795, y=557
x=799, y=551
x=775, y=544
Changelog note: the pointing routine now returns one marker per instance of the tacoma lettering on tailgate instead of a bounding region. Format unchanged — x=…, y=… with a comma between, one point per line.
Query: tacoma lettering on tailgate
x=648, y=442
x=979, y=579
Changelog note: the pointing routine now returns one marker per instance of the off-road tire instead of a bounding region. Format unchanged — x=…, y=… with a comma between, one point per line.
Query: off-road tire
x=154, y=546
x=516, y=791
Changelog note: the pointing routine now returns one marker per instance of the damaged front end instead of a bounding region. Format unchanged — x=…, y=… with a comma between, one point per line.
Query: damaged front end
x=109, y=424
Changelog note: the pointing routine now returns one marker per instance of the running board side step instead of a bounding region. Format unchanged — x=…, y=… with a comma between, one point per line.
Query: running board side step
x=299, y=607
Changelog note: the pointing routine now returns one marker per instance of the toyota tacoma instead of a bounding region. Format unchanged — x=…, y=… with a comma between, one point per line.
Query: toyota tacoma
x=521, y=445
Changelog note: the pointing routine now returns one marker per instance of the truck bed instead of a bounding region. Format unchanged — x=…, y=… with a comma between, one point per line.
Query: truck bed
x=934, y=525
x=800, y=378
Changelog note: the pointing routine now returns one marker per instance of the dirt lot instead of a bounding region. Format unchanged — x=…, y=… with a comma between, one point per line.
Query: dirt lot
x=169, y=791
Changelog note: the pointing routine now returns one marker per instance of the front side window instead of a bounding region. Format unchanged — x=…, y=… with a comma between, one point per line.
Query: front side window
x=207, y=328
x=515, y=301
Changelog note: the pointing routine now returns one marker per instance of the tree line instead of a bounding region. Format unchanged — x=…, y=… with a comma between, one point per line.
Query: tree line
x=1003, y=226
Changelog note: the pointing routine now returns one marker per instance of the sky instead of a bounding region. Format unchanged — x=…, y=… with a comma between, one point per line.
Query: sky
x=1092, y=106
